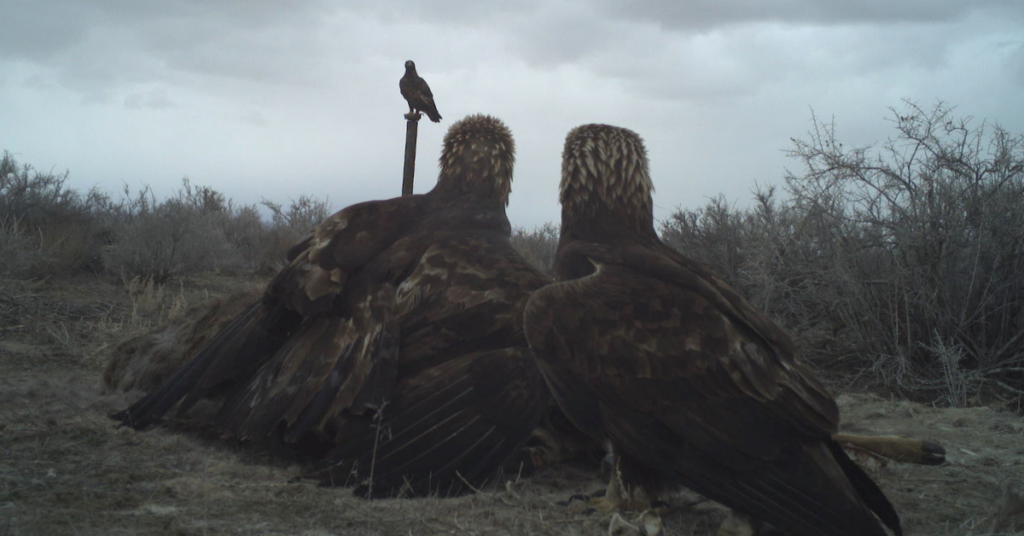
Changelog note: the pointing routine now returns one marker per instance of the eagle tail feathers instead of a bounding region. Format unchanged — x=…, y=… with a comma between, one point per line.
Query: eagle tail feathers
x=868, y=490
x=227, y=356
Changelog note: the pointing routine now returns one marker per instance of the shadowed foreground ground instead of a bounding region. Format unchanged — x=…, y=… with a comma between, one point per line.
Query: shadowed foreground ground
x=65, y=469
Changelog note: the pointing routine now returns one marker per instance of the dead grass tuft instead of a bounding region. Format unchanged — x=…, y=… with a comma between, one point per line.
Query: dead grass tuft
x=144, y=361
x=65, y=469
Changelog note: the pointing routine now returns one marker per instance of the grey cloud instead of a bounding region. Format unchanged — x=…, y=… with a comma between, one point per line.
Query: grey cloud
x=255, y=119
x=39, y=30
x=93, y=45
x=155, y=99
x=448, y=12
x=36, y=30
x=702, y=15
x=238, y=13
x=1014, y=51
x=698, y=79
x=739, y=60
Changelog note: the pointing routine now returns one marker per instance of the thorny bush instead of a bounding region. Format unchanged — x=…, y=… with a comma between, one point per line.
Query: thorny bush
x=904, y=261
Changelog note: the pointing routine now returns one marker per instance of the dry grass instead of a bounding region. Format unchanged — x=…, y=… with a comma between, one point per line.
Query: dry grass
x=65, y=469
x=144, y=361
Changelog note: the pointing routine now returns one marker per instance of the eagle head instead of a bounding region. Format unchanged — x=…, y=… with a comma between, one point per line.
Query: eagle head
x=410, y=65
x=477, y=158
x=605, y=181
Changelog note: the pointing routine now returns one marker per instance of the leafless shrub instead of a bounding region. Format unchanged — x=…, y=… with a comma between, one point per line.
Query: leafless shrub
x=181, y=234
x=537, y=245
x=19, y=252
x=249, y=236
x=302, y=214
x=947, y=378
x=46, y=228
x=763, y=251
x=912, y=251
x=196, y=230
x=28, y=193
x=289, y=226
x=957, y=379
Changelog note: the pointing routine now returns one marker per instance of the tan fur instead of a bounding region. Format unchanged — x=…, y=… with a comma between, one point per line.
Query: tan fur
x=898, y=449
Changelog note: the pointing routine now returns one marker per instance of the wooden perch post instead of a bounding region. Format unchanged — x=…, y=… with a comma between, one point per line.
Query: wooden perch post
x=411, y=126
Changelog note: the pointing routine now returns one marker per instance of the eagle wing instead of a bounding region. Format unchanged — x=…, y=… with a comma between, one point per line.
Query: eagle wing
x=413, y=363
x=685, y=379
x=292, y=316
x=396, y=324
x=469, y=394
x=415, y=90
x=421, y=88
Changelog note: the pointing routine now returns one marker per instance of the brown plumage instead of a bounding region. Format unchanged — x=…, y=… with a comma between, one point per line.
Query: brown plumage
x=649, y=351
x=417, y=93
x=393, y=336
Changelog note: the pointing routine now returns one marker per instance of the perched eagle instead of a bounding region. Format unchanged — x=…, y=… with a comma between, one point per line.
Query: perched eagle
x=417, y=93
x=687, y=383
x=393, y=336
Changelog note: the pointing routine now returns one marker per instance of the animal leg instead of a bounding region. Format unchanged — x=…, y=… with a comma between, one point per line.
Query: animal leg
x=618, y=497
x=543, y=449
x=899, y=449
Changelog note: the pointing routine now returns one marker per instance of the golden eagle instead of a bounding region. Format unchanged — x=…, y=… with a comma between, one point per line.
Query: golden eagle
x=417, y=93
x=688, y=384
x=393, y=336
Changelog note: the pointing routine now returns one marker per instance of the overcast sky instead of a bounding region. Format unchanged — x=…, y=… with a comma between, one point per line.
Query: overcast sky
x=275, y=99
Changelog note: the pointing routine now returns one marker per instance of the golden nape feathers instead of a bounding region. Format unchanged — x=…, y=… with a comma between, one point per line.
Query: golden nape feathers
x=478, y=154
x=604, y=173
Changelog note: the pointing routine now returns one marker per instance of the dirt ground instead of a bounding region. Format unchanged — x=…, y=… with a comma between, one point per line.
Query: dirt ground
x=65, y=468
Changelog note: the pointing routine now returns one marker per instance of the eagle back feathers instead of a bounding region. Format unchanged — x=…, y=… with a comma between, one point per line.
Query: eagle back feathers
x=386, y=315
x=652, y=352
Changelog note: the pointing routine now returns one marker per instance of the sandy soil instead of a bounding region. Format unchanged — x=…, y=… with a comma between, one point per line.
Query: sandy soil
x=65, y=469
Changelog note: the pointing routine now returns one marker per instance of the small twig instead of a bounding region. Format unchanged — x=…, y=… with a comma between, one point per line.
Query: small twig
x=466, y=482
x=1008, y=388
x=379, y=418
x=558, y=521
